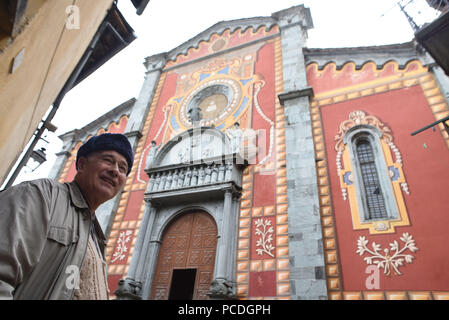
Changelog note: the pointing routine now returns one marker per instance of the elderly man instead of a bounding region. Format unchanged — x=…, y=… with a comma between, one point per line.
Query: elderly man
x=51, y=245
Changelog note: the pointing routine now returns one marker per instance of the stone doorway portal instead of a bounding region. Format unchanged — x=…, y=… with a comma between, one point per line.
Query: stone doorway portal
x=188, y=243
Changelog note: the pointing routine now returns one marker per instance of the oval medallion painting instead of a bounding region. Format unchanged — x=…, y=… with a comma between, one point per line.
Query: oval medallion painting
x=216, y=99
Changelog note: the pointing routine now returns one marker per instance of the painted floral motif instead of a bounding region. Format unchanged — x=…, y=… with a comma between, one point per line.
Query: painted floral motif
x=388, y=261
x=122, y=248
x=266, y=237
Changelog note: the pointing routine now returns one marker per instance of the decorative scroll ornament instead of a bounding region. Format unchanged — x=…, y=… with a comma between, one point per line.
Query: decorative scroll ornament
x=124, y=238
x=217, y=65
x=258, y=86
x=356, y=118
x=266, y=237
x=388, y=261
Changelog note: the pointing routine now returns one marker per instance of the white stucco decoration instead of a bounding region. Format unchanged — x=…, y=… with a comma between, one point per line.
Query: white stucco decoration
x=193, y=145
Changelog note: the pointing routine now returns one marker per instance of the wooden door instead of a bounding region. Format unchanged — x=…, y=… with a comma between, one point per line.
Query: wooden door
x=189, y=242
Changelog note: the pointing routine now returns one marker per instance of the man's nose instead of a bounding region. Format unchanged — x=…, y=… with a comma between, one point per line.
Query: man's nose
x=114, y=168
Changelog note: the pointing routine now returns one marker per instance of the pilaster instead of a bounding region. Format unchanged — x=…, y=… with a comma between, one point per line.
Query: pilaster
x=307, y=276
x=154, y=65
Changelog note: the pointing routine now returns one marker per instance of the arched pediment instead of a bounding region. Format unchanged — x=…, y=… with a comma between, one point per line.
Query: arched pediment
x=193, y=146
x=219, y=28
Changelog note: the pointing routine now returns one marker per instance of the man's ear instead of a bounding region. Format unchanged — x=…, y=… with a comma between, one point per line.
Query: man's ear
x=82, y=162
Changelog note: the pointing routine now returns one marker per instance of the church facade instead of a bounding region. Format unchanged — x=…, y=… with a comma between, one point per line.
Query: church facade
x=268, y=170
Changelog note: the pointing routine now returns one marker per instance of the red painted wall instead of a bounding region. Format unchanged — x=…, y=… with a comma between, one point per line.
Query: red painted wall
x=135, y=202
x=261, y=283
x=264, y=190
x=113, y=283
x=425, y=164
x=168, y=90
x=264, y=66
x=329, y=78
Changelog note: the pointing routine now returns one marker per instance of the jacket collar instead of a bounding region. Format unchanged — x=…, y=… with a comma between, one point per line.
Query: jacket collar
x=76, y=196
x=79, y=201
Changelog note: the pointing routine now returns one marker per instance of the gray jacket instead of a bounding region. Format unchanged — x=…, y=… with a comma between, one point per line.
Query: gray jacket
x=44, y=230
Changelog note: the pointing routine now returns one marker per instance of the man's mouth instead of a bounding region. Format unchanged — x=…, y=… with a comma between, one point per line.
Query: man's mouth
x=111, y=182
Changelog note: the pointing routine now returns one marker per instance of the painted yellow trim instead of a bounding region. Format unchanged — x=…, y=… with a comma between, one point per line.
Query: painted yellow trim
x=437, y=102
x=370, y=84
x=377, y=83
x=390, y=295
x=382, y=226
x=366, y=65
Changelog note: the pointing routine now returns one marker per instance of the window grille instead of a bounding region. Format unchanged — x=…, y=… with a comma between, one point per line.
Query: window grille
x=373, y=192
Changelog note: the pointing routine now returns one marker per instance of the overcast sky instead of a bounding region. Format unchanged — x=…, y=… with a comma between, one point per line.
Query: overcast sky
x=166, y=24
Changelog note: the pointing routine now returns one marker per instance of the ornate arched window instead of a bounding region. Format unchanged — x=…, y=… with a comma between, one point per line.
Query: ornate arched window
x=370, y=188
x=369, y=177
x=371, y=185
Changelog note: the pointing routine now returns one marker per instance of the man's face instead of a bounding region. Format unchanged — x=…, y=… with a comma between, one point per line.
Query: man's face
x=101, y=175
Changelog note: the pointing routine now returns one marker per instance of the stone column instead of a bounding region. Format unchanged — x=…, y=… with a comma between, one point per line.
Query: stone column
x=223, y=286
x=224, y=241
x=130, y=287
x=154, y=65
x=140, y=270
x=294, y=23
x=307, y=273
x=150, y=264
x=442, y=80
x=307, y=263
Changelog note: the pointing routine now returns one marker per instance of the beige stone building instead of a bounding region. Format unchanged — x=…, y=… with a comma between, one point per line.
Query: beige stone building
x=46, y=48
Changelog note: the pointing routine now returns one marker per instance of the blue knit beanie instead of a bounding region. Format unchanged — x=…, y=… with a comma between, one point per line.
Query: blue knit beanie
x=108, y=141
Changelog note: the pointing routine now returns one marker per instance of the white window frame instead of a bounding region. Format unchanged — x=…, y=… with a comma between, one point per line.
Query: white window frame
x=374, y=136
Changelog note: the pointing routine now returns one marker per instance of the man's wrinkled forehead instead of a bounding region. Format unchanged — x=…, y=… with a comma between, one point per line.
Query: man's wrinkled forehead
x=109, y=153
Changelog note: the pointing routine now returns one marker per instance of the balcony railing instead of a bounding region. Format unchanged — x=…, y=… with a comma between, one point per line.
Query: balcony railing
x=189, y=176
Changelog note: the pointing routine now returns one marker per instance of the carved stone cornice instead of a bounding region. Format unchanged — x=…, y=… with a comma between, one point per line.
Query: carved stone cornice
x=402, y=53
x=306, y=92
x=133, y=134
